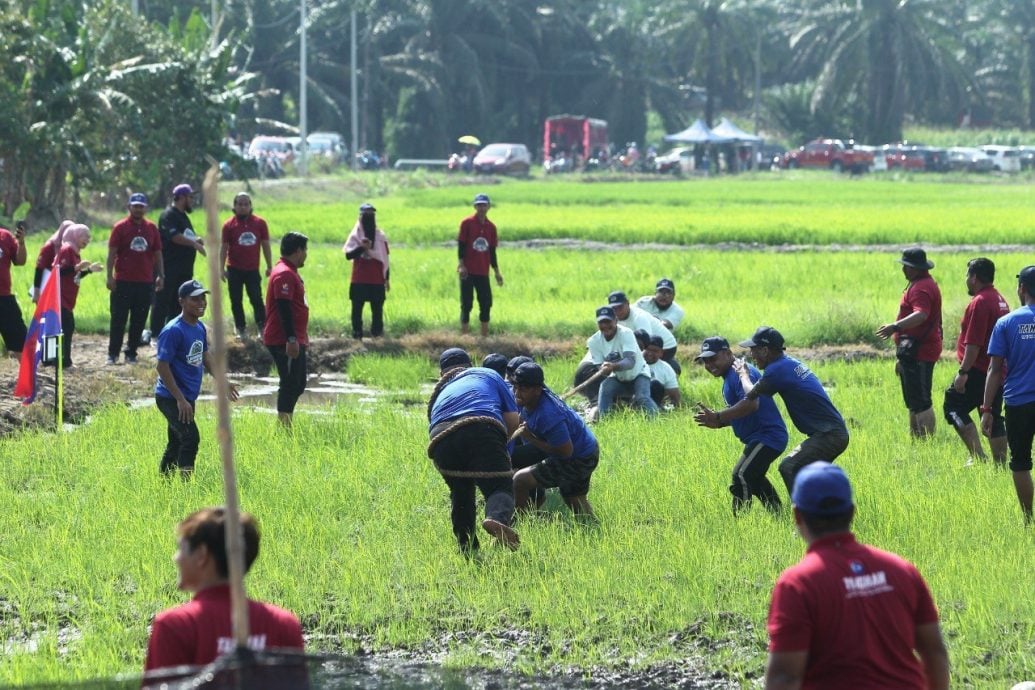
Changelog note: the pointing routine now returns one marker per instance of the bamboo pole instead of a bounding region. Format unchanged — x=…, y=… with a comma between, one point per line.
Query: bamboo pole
x=224, y=432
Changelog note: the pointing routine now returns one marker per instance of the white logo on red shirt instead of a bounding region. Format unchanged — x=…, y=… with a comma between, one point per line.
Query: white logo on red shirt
x=247, y=239
x=225, y=645
x=138, y=244
x=480, y=245
x=866, y=585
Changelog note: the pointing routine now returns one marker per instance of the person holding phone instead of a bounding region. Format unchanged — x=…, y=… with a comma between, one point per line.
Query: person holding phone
x=12, y=325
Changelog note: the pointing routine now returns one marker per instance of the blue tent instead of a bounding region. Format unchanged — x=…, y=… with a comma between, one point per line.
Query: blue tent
x=698, y=133
x=727, y=129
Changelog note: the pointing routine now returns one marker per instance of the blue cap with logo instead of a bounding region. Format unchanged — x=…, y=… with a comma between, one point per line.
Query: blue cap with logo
x=665, y=284
x=712, y=346
x=765, y=336
x=822, y=489
x=192, y=288
x=606, y=314
x=481, y=199
x=138, y=199
x=617, y=297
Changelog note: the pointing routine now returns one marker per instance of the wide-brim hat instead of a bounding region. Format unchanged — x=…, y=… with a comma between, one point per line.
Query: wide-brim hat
x=916, y=258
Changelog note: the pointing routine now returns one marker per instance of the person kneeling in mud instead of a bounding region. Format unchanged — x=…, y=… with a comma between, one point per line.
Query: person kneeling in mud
x=470, y=416
x=567, y=449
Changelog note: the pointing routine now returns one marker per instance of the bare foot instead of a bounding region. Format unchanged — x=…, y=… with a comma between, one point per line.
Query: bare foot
x=503, y=534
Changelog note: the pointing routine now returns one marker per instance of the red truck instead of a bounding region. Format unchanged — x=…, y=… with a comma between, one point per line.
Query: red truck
x=830, y=154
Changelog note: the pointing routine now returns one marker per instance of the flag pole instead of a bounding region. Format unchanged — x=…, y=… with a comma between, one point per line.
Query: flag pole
x=59, y=382
x=224, y=432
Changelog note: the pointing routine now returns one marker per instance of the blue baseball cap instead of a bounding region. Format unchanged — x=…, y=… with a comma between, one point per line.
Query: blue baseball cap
x=453, y=357
x=192, y=288
x=1027, y=277
x=712, y=346
x=182, y=190
x=481, y=199
x=606, y=314
x=497, y=362
x=665, y=284
x=367, y=207
x=822, y=489
x=617, y=297
x=138, y=199
x=529, y=374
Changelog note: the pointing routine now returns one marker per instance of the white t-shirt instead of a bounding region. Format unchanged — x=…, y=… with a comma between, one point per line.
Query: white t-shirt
x=640, y=319
x=664, y=374
x=622, y=342
x=673, y=313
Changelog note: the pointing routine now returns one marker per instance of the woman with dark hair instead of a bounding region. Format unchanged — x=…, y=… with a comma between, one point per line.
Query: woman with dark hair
x=367, y=249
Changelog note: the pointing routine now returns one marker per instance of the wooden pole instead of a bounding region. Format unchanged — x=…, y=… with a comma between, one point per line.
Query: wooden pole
x=595, y=377
x=224, y=432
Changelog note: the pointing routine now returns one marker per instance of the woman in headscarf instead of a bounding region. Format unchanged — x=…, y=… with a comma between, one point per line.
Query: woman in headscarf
x=367, y=249
x=71, y=268
x=45, y=259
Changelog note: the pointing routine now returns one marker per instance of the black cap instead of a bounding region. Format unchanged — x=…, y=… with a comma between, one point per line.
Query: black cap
x=767, y=336
x=1027, y=278
x=712, y=346
x=367, y=208
x=617, y=297
x=496, y=362
x=515, y=362
x=453, y=357
x=529, y=374
x=642, y=336
x=665, y=284
x=916, y=258
x=606, y=314
x=656, y=341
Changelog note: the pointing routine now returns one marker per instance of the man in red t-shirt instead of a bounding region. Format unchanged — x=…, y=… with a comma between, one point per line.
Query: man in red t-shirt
x=286, y=333
x=476, y=246
x=849, y=615
x=135, y=270
x=196, y=633
x=242, y=237
x=919, y=322
x=12, y=325
x=967, y=390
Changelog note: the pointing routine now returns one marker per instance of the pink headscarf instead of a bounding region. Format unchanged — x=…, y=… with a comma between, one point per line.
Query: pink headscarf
x=56, y=237
x=74, y=233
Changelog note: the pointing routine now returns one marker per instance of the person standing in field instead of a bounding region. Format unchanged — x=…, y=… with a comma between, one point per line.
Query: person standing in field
x=808, y=404
x=849, y=615
x=762, y=432
x=471, y=414
x=1012, y=348
x=613, y=350
x=476, y=248
x=968, y=387
x=45, y=258
x=182, y=361
x=179, y=247
x=559, y=449
x=12, y=325
x=135, y=270
x=918, y=336
x=242, y=237
x=71, y=270
x=286, y=333
x=367, y=249
x=200, y=631
x=662, y=306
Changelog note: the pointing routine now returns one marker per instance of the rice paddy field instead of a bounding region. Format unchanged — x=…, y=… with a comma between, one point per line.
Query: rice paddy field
x=356, y=535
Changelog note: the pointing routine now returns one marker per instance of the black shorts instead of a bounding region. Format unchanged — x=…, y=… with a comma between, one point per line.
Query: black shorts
x=916, y=380
x=1020, y=429
x=958, y=406
x=570, y=475
x=12, y=327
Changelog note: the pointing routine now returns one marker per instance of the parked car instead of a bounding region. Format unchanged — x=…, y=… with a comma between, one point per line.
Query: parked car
x=278, y=147
x=1027, y=157
x=769, y=156
x=675, y=162
x=1004, y=158
x=828, y=153
x=904, y=157
x=880, y=161
x=967, y=159
x=935, y=159
x=503, y=159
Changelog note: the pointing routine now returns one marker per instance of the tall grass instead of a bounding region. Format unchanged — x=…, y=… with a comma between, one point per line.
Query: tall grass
x=356, y=540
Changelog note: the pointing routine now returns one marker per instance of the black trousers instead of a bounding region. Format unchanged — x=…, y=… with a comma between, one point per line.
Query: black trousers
x=360, y=293
x=238, y=281
x=12, y=325
x=749, y=477
x=128, y=301
x=184, y=439
x=167, y=300
x=468, y=287
x=476, y=448
x=67, y=329
x=669, y=357
x=293, y=374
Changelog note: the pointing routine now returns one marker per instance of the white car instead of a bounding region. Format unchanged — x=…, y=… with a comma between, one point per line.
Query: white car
x=967, y=159
x=1004, y=158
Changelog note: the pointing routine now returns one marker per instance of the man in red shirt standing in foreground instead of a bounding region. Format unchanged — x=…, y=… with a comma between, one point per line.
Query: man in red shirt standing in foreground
x=135, y=271
x=286, y=333
x=476, y=247
x=242, y=237
x=196, y=633
x=849, y=615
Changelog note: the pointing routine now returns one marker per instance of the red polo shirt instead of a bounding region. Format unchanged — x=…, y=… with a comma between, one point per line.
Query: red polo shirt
x=199, y=631
x=478, y=238
x=243, y=239
x=923, y=295
x=979, y=318
x=855, y=610
x=285, y=283
x=135, y=244
x=48, y=252
x=8, y=248
x=67, y=260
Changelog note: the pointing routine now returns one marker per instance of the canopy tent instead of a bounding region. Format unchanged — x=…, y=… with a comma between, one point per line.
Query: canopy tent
x=698, y=133
x=728, y=130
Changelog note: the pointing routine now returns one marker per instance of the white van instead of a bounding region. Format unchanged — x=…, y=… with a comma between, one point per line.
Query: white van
x=1004, y=158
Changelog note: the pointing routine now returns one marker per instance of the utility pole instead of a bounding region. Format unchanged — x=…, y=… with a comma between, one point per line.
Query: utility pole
x=303, y=128
x=135, y=7
x=353, y=90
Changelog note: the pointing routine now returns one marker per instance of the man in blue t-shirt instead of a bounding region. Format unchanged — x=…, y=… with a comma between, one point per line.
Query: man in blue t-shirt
x=471, y=414
x=807, y=403
x=182, y=360
x=569, y=449
x=763, y=432
x=1012, y=346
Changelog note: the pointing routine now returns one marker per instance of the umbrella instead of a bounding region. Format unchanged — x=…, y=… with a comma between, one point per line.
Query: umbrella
x=470, y=139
